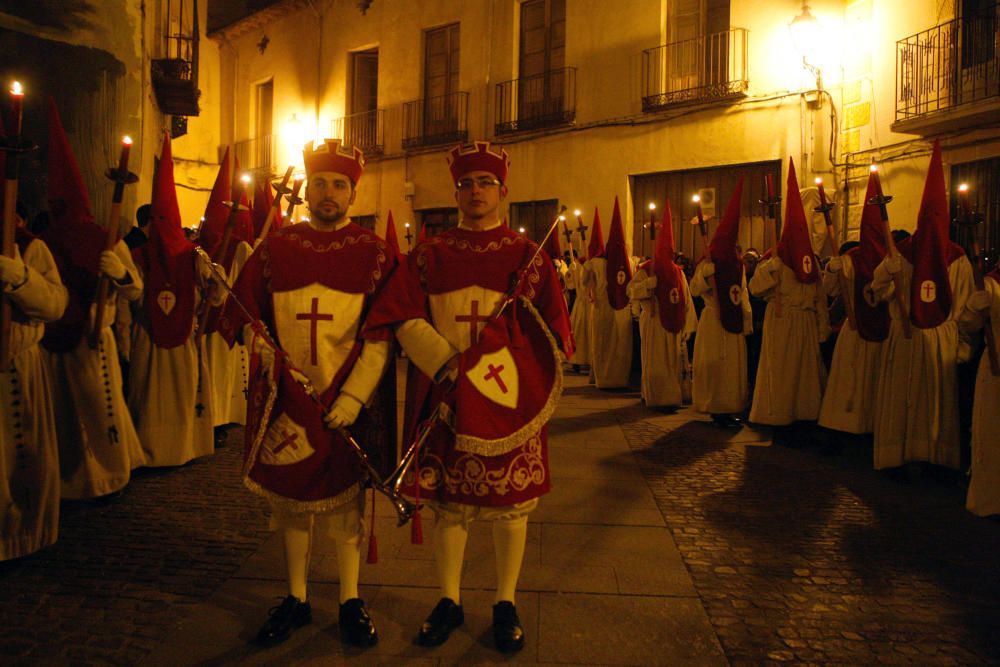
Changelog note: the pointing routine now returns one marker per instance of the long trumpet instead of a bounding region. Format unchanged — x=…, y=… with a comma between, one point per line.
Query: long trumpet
x=404, y=508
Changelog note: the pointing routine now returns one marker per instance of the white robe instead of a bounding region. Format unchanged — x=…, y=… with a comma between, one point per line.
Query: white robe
x=170, y=398
x=984, y=487
x=580, y=317
x=29, y=452
x=849, y=400
x=229, y=366
x=98, y=445
x=610, y=330
x=664, y=353
x=720, y=357
x=791, y=375
x=916, y=408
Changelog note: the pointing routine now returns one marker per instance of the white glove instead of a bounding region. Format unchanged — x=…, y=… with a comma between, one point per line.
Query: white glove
x=979, y=302
x=344, y=411
x=12, y=269
x=894, y=264
x=835, y=265
x=708, y=269
x=205, y=269
x=112, y=266
x=650, y=283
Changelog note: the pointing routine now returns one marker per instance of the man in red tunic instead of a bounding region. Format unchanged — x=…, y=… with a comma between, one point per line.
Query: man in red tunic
x=439, y=303
x=310, y=284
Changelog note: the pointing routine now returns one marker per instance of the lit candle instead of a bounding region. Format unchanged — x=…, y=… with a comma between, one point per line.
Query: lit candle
x=563, y=218
x=16, y=102
x=697, y=202
x=963, y=200
x=576, y=212
x=123, y=158
x=652, y=215
x=769, y=181
x=822, y=192
x=520, y=229
x=878, y=181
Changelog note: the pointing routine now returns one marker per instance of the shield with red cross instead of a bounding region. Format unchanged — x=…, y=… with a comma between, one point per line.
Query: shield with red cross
x=508, y=383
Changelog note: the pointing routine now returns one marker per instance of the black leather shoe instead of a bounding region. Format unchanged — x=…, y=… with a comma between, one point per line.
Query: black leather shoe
x=356, y=626
x=446, y=617
x=284, y=618
x=507, y=630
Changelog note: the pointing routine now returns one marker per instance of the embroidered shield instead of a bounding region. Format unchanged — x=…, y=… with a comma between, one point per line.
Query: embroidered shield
x=166, y=300
x=285, y=443
x=508, y=383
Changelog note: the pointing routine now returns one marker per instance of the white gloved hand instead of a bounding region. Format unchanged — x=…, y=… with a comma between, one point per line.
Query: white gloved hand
x=979, y=302
x=112, y=266
x=835, y=265
x=894, y=263
x=12, y=269
x=650, y=283
x=205, y=269
x=708, y=268
x=344, y=411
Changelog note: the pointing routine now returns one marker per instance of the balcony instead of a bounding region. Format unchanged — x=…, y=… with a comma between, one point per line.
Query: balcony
x=175, y=76
x=256, y=156
x=366, y=130
x=704, y=70
x=536, y=102
x=436, y=120
x=948, y=77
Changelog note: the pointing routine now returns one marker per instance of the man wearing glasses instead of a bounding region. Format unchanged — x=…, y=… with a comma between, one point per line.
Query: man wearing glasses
x=439, y=304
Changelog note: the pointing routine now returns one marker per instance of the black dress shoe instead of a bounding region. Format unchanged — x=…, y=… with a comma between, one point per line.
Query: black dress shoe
x=356, y=626
x=507, y=630
x=281, y=620
x=446, y=617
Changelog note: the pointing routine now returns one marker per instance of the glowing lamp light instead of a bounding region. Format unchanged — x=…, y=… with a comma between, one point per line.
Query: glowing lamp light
x=127, y=140
x=818, y=181
x=406, y=224
x=16, y=89
x=245, y=178
x=695, y=198
x=562, y=218
x=652, y=206
x=964, y=187
x=576, y=212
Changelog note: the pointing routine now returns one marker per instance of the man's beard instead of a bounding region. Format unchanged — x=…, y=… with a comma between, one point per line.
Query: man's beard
x=334, y=218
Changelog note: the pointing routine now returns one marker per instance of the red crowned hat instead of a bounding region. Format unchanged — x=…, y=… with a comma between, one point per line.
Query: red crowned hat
x=595, y=247
x=670, y=297
x=795, y=246
x=618, y=270
x=728, y=279
x=931, y=252
x=332, y=156
x=478, y=156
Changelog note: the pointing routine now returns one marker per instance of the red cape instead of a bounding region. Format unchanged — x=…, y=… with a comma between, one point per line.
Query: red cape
x=728, y=264
x=670, y=296
x=873, y=320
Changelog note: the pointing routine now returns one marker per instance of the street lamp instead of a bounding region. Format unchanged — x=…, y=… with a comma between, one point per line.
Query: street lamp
x=808, y=40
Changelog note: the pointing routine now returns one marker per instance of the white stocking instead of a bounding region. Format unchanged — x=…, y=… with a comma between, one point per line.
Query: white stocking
x=449, y=553
x=509, y=537
x=349, y=566
x=298, y=540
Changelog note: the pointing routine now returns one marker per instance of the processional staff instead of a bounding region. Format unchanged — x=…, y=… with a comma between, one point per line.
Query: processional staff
x=825, y=207
x=882, y=200
x=773, y=204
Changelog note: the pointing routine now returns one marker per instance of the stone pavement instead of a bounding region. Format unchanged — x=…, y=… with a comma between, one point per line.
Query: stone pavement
x=664, y=541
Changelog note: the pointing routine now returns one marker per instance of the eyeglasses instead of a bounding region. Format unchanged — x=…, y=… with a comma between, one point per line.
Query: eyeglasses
x=483, y=182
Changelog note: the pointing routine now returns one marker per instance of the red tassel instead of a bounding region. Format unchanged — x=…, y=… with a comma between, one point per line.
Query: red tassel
x=417, y=529
x=372, y=540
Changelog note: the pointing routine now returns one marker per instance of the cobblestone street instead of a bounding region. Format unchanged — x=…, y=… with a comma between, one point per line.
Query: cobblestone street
x=665, y=541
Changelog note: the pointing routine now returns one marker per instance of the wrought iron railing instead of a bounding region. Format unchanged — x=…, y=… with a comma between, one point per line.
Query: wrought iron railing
x=366, y=130
x=256, y=155
x=706, y=68
x=949, y=65
x=536, y=102
x=436, y=120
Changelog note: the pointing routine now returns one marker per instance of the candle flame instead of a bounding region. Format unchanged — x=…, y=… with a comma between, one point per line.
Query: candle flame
x=16, y=88
x=563, y=218
x=963, y=188
x=873, y=168
x=696, y=199
x=576, y=212
x=521, y=229
x=819, y=181
x=245, y=178
x=127, y=140
x=652, y=206
x=300, y=177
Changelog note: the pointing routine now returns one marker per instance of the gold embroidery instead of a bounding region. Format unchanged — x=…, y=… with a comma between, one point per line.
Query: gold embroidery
x=470, y=476
x=381, y=258
x=532, y=279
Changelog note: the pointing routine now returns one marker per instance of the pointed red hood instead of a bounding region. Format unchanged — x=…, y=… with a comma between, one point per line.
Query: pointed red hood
x=216, y=212
x=618, y=270
x=795, y=246
x=931, y=252
x=390, y=236
x=670, y=294
x=552, y=246
x=263, y=200
x=728, y=279
x=243, y=229
x=167, y=262
x=595, y=248
x=872, y=320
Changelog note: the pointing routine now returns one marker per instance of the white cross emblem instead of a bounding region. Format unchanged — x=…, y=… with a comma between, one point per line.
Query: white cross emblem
x=928, y=291
x=621, y=277
x=869, y=296
x=166, y=300
x=735, y=292
x=807, y=264
x=675, y=295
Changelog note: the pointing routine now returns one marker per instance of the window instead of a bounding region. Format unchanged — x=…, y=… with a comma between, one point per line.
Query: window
x=718, y=183
x=543, y=52
x=534, y=216
x=983, y=177
x=696, y=30
x=361, y=126
x=441, y=57
x=366, y=221
x=437, y=220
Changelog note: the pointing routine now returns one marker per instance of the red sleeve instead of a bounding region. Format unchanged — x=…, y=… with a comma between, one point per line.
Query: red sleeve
x=401, y=299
